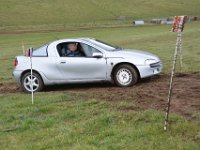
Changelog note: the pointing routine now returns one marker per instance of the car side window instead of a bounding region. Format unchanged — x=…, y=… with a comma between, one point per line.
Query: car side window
x=60, y=49
x=40, y=52
x=89, y=50
x=65, y=51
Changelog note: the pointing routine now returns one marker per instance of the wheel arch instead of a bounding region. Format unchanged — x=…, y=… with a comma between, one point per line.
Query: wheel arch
x=28, y=70
x=125, y=63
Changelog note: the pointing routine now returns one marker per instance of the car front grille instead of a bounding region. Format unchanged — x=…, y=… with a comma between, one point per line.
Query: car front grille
x=155, y=65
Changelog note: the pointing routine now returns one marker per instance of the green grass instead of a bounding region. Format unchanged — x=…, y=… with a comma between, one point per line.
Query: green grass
x=64, y=121
x=155, y=39
x=51, y=14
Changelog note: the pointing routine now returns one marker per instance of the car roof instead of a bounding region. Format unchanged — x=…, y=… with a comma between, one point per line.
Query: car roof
x=73, y=39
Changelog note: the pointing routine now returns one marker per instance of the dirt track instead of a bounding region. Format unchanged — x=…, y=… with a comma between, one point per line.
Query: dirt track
x=149, y=93
x=63, y=30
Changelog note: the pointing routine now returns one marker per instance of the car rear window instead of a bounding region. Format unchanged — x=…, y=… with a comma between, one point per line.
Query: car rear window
x=41, y=51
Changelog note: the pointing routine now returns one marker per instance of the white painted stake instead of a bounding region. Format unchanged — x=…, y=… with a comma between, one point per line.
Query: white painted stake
x=32, y=97
x=178, y=46
x=23, y=49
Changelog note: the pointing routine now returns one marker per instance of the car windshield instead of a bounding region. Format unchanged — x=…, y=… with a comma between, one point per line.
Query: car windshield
x=106, y=46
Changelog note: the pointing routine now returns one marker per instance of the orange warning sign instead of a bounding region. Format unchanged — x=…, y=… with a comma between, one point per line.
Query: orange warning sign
x=178, y=23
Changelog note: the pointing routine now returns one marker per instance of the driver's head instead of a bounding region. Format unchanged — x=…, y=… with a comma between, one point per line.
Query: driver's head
x=72, y=46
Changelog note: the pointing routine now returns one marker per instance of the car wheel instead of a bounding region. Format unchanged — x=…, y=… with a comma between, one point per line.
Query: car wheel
x=125, y=75
x=36, y=82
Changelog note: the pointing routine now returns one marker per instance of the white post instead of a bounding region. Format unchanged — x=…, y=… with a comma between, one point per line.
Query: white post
x=171, y=79
x=178, y=26
x=31, y=51
x=23, y=49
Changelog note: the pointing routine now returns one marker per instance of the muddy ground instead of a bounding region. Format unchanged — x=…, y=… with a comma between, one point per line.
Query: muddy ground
x=148, y=93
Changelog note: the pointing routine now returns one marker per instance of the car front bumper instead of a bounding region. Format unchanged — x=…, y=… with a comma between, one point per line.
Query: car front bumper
x=150, y=70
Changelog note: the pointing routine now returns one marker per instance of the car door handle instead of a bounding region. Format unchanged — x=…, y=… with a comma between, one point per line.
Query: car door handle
x=63, y=62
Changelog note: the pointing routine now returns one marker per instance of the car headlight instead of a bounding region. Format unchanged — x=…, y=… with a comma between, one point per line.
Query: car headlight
x=150, y=61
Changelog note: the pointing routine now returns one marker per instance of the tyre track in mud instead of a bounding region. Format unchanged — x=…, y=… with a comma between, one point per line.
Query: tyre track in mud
x=149, y=93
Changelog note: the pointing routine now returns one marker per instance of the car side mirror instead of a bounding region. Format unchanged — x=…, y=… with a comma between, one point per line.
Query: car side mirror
x=97, y=55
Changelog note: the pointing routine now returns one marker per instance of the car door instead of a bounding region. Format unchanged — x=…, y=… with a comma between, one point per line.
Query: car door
x=45, y=64
x=84, y=67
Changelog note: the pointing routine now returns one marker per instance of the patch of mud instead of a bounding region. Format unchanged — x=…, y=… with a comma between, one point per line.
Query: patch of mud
x=7, y=88
x=149, y=93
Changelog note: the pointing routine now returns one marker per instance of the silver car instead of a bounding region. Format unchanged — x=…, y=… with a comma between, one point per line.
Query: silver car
x=99, y=62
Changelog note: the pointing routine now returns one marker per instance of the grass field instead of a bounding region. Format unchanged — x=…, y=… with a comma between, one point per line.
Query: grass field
x=155, y=39
x=64, y=119
x=51, y=14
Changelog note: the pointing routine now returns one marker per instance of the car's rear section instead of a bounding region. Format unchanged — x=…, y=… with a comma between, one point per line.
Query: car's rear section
x=22, y=75
x=20, y=63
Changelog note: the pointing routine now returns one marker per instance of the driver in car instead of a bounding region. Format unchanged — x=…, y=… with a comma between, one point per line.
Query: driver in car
x=71, y=50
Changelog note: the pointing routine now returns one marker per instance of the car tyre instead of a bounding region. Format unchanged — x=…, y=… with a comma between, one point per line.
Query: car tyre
x=38, y=84
x=125, y=75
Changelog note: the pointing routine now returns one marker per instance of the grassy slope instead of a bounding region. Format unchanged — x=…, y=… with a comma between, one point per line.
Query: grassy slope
x=60, y=14
x=65, y=121
x=156, y=39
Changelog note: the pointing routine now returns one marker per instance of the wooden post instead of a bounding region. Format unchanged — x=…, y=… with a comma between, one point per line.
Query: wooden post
x=180, y=50
x=178, y=26
x=178, y=45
